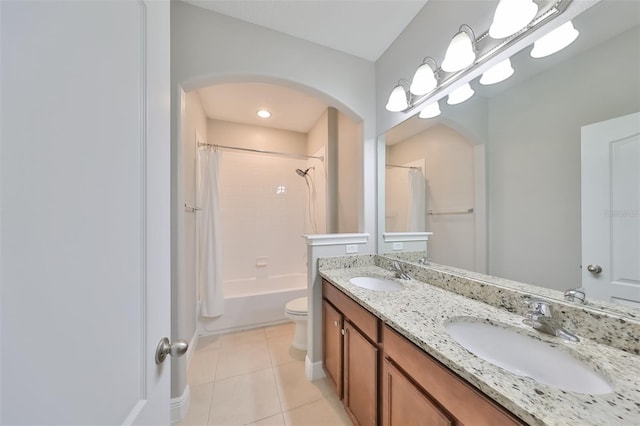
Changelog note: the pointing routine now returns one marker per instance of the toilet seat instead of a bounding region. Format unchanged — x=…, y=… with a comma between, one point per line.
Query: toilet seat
x=297, y=307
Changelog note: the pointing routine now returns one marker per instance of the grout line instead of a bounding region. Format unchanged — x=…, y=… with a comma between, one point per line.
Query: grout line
x=210, y=403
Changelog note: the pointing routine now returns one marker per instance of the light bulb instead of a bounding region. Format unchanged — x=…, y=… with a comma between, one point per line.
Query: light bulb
x=555, y=41
x=431, y=110
x=499, y=72
x=423, y=81
x=460, y=53
x=460, y=95
x=511, y=16
x=397, y=99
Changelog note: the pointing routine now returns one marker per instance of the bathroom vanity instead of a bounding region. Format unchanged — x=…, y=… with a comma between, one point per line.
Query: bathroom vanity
x=392, y=361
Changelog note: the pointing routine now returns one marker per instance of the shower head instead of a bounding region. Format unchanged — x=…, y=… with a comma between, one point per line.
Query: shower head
x=303, y=173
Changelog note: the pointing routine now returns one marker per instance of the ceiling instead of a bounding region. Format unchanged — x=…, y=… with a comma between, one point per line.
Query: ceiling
x=239, y=102
x=364, y=28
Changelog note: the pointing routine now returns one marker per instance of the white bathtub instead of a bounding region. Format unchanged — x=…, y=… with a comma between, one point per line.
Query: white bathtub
x=254, y=303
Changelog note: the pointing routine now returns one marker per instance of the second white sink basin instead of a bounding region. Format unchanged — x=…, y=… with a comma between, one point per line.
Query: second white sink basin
x=377, y=284
x=526, y=356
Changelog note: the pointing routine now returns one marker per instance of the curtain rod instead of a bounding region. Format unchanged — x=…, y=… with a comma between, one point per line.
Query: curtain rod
x=259, y=151
x=403, y=167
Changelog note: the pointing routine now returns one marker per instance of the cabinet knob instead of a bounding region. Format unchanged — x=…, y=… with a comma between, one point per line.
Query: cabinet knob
x=335, y=323
x=342, y=331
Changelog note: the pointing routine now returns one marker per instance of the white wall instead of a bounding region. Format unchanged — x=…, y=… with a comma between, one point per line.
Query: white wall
x=534, y=159
x=317, y=146
x=349, y=173
x=447, y=159
x=184, y=303
x=207, y=47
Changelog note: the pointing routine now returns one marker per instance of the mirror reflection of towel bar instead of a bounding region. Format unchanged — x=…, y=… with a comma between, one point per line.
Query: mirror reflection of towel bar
x=451, y=212
x=191, y=209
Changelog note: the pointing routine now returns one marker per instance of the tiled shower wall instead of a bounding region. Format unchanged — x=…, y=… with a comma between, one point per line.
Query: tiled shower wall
x=263, y=204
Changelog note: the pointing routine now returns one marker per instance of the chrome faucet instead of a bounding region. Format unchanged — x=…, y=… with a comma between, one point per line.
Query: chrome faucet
x=539, y=317
x=399, y=270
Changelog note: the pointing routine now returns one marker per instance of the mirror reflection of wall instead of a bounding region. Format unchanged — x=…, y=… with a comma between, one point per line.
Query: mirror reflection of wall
x=443, y=158
x=532, y=131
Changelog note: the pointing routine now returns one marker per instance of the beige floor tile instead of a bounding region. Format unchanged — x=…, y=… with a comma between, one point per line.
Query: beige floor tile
x=241, y=358
x=286, y=329
x=319, y=413
x=277, y=420
x=244, y=399
x=199, y=404
x=294, y=387
x=209, y=342
x=202, y=368
x=255, y=335
x=282, y=352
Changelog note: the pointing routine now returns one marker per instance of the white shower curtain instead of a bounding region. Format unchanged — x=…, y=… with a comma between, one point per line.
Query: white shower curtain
x=416, y=214
x=209, y=248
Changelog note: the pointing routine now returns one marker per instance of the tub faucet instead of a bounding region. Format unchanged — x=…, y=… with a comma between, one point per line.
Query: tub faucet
x=539, y=317
x=399, y=270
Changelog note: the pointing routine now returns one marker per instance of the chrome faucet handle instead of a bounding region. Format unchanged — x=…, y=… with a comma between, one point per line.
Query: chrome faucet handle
x=399, y=269
x=539, y=307
x=575, y=295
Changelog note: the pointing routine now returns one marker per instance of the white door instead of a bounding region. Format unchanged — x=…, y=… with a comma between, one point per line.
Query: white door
x=611, y=210
x=85, y=197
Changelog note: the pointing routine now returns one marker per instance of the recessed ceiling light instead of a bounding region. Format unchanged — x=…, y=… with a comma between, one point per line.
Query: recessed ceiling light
x=263, y=113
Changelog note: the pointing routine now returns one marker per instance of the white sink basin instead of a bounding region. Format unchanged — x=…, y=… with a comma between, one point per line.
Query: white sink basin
x=377, y=284
x=526, y=356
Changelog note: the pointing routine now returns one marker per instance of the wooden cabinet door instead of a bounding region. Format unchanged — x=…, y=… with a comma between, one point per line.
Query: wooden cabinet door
x=332, y=345
x=403, y=403
x=360, y=377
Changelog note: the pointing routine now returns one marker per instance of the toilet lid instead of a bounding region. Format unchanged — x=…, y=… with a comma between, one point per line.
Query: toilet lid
x=297, y=306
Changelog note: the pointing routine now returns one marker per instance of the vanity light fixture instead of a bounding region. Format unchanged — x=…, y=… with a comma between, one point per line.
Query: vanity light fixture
x=263, y=113
x=555, y=41
x=430, y=111
x=460, y=94
x=398, y=100
x=424, y=80
x=511, y=16
x=514, y=21
x=461, y=52
x=497, y=73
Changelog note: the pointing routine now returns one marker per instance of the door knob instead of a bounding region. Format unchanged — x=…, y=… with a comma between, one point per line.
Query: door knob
x=594, y=269
x=176, y=349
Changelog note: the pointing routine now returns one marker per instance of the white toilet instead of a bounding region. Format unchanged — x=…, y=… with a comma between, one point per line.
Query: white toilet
x=296, y=310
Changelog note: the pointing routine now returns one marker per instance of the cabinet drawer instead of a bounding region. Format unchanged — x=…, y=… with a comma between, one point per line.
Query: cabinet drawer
x=359, y=316
x=468, y=405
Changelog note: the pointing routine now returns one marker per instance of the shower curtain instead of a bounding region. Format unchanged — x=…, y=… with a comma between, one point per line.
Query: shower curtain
x=416, y=214
x=209, y=249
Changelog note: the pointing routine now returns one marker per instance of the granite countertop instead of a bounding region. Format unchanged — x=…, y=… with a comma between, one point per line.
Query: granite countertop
x=420, y=312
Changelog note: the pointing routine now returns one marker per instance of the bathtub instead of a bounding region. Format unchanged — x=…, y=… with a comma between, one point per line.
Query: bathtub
x=254, y=302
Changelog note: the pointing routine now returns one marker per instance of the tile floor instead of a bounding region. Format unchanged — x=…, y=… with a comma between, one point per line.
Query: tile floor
x=255, y=377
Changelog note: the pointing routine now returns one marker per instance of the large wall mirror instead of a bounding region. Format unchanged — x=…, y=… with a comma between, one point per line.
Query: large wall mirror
x=497, y=179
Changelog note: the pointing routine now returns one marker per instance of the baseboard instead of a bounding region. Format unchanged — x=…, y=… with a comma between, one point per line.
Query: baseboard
x=203, y=332
x=180, y=405
x=193, y=344
x=313, y=370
